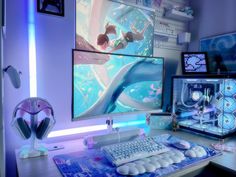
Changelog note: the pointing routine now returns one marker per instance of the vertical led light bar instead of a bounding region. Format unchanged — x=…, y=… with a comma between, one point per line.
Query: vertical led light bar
x=32, y=49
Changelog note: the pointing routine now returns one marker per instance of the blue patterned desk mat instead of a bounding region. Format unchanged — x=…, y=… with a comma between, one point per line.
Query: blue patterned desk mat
x=92, y=163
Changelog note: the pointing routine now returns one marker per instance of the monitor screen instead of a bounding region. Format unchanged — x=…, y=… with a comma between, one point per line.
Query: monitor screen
x=205, y=104
x=194, y=62
x=105, y=83
x=114, y=27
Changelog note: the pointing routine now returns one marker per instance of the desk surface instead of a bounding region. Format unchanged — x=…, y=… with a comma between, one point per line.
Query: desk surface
x=44, y=166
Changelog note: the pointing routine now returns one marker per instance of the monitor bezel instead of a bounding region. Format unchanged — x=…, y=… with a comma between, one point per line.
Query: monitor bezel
x=114, y=114
x=183, y=63
x=210, y=76
x=160, y=114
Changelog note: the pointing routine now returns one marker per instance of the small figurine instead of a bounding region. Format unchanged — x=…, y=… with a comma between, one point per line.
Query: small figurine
x=175, y=125
x=148, y=119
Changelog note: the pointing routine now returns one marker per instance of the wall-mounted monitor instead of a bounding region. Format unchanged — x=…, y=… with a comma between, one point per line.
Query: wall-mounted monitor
x=114, y=27
x=205, y=104
x=106, y=83
x=194, y=62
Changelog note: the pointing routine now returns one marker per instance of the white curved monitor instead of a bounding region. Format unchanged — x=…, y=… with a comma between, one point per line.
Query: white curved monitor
x=105, y=83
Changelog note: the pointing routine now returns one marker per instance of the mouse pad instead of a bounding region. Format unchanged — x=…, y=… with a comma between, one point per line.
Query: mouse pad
x=92, y=163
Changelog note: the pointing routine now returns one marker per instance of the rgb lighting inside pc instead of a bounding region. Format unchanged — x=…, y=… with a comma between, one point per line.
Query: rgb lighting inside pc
x=205, y=104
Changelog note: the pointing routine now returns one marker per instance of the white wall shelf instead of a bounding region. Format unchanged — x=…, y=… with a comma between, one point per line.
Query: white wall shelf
x=177, y=15
x=157, y=33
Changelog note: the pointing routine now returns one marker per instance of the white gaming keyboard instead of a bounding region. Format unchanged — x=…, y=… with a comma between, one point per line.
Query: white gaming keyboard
x=125, y=152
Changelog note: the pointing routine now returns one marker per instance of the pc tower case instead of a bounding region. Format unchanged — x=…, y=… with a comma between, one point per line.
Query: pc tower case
x=205, y=104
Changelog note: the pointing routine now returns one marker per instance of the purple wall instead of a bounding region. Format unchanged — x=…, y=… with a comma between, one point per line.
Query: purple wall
x=211, y=17
x=54, y=41
x=15, y=53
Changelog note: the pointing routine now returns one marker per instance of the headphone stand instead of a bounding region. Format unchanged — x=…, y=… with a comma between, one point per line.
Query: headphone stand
x=33, y=125
x=27, y=151
x=34, y=149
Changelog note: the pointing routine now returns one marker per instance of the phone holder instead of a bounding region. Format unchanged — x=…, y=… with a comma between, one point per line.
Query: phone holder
x=14, y=76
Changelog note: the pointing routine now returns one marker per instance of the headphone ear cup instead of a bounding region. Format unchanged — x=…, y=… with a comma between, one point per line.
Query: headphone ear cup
x=42, y=128
x=24, y=127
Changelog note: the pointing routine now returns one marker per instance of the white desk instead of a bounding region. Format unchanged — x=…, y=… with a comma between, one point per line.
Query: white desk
x=45, y=166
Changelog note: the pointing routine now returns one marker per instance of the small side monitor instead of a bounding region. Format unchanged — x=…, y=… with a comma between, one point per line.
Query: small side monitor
x=194, y=63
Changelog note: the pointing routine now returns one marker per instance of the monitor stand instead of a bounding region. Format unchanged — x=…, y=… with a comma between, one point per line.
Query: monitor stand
x=34, y=149
x=109, y=123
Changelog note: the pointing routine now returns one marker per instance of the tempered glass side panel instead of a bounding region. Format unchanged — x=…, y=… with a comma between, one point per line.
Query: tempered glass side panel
x=205, y=105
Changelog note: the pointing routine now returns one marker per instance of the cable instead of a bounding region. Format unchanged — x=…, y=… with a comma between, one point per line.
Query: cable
x=118, y=133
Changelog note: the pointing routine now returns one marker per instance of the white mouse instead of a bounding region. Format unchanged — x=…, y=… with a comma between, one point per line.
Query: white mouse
x=181, y=144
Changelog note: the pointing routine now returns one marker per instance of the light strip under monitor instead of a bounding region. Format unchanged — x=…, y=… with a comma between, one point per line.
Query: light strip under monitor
x=73, y=131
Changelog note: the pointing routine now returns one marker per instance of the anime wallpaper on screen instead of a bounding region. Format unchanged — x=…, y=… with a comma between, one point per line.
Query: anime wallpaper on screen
x=114, y=27
x=121, y=83
x=113, y=71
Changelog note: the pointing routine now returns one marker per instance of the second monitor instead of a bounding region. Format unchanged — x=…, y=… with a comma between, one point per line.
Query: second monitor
x=194, y=63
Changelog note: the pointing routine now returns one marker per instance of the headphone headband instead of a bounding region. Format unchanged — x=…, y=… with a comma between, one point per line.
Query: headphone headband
x=33, y=106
